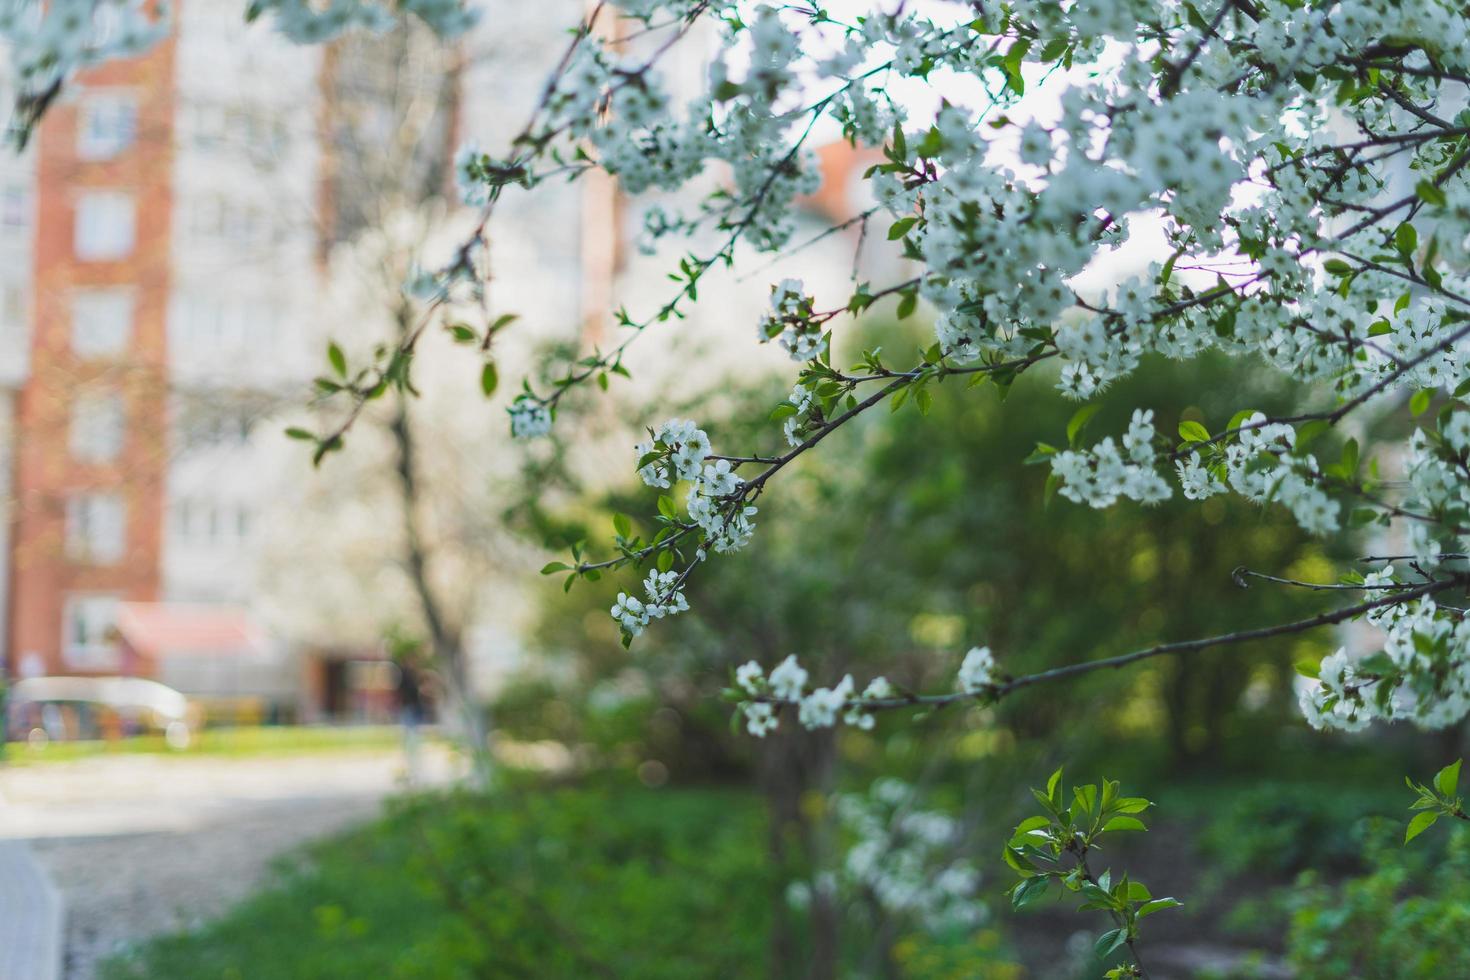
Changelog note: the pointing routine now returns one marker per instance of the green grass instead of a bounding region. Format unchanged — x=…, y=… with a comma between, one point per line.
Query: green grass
x=616, y=882
x=241, y=741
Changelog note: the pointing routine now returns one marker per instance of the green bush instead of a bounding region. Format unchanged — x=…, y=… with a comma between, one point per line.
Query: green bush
x=1408, y=917
x=567, y=883
x=1281, y=829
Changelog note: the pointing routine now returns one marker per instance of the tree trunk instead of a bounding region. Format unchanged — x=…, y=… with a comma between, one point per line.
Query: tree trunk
x=445, y=638
x=795, y=765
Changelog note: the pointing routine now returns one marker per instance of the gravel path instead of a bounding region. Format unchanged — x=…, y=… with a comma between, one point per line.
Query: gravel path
x=140, y=845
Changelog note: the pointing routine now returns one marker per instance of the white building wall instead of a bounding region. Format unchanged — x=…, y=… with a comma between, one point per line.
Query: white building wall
x=245, y=276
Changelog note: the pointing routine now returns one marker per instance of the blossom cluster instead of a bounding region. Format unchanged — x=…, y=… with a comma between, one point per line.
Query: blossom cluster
x=790, y=323
x=49, y=42
x=1422, y=671
x=662, y=597
x=678, y=451
x=824, y=707
x=817, y=708
x=529, y=418
x=1421, y=674
x=903, y=856
x=1100, y=475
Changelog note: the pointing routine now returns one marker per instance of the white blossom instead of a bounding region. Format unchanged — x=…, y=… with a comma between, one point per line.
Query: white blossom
x=788, y=679
x=750, y=677
x=977, y=672
x=529, y=419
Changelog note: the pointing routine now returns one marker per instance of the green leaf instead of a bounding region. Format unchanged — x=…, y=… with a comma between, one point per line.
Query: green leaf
x=1030, y=824
x=1447, y=780
x=622, y=525
x=1429, y=193
x=907, y=304
x=1310, y=432
x=1108, y=942
x=302, y=434
x=1240, y=418
x=667, y=507
x=1192, y=431
x=1124, y=823
x=1030, y=891
x=1420, y=402
x=1041, y=454
x=552, y=567
x=901, y=227
x=338, y=359
x=1079, y=421
x=1419, y=824
x=1157, y=905
x=1019, y=862
x=489, y=378
x=1337, y=267
x=1405, y=239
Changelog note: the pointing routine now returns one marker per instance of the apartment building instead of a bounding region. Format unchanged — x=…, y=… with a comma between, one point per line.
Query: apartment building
x=163, y=249
x=159, y=244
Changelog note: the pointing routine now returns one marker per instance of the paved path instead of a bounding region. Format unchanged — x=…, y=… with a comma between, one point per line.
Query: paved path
x=30, y=917
x=140, y=845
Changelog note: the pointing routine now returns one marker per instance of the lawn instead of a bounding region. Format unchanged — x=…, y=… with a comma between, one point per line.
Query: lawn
x=235, y=741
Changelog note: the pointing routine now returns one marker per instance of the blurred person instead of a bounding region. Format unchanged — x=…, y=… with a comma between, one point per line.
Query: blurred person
x=412, y=707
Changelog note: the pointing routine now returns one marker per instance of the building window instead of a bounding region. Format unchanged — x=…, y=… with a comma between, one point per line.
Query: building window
x=101, y=321
x=95, y=528
x=12, y=307
x=203, y=325
x=234, y=222
x=106, y=125
x=89, y=631
x=15, y=207
x=105, y=226
x=97, y=426
x=183, y=518
x=212, y=524
x=208, y=127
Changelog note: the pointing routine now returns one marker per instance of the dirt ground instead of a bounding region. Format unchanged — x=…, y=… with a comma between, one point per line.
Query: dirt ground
x=140, y=845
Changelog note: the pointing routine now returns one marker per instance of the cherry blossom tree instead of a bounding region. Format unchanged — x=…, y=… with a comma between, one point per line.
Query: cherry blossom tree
x=1300, y=168
x=1297, y=168
x=1301, y=176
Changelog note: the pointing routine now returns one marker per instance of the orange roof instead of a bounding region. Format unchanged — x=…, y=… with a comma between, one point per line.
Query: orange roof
x=840, y=163
x=156, y=629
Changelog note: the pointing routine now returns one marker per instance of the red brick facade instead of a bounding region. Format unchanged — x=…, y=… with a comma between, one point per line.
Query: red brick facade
x=47, y=474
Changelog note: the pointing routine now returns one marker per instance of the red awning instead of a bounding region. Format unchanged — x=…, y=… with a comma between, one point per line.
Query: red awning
x=156, y=629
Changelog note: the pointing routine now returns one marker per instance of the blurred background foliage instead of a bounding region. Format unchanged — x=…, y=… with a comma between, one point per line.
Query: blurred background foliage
x=672, y=845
